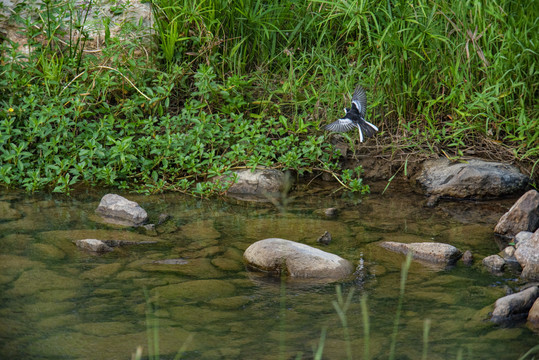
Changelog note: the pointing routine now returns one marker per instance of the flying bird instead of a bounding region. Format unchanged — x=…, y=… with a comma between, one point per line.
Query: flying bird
x=355, y=117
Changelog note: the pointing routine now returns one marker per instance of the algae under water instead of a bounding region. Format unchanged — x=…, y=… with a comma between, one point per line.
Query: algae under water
x=59, y=302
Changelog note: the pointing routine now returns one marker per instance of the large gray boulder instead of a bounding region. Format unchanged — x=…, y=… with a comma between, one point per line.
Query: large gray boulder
x=523, y=236
x=533, y=314
x=297, y=260
x=258, y=182
x=515, y=306
x=472, y=179
x=438, y=253
x=527, y=255
x=522, y=216
x=118, y=210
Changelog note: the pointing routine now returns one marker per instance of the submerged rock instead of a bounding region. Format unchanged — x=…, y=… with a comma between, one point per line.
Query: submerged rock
x=172, y=262
x=37, y=280
x=198, y=268
x=296, y=259
x=426, y=251
x=116, y=243
x=515, y=306
x=523, y=216
x=118, y=210
x=93, y=245
x=194, y=290
x=7, y=212
x=472, y=179
x=163, y=217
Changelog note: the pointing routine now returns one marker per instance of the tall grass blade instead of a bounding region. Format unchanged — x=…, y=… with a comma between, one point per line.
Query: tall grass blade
x=152, y=329
x=183, y=348
x=404, y=275
x=341, y=307
x=320, y=348
x=533, y=350
x=426, y=330
x=282, y=314
x=366, y=327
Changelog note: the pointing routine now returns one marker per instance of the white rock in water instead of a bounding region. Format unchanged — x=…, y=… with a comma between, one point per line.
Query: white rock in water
x=296, y=259
x=426, y=251
x=93, y=245
x=119, y=210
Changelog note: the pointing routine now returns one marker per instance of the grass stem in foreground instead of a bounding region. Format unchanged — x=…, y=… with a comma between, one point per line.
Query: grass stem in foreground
x=426, y=330
x=341, y=306
x=404, y=275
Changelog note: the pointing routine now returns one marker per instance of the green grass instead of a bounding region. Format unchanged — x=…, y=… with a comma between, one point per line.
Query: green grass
x=223, y=85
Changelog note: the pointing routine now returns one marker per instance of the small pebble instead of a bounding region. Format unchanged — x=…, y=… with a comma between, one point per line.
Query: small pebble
x=162, y=218
x=331, y=212
x=467, y=258
x=432, y=201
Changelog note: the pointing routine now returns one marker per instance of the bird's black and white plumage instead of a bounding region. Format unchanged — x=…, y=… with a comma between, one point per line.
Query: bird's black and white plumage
x=355, y=117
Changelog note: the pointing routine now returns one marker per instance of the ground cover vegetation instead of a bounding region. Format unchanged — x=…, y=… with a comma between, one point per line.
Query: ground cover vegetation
x=220, y=85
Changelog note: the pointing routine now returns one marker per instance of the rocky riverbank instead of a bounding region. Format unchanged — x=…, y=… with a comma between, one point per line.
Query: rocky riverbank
x=439, y=179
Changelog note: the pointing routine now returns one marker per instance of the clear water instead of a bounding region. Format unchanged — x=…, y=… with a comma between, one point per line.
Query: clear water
x=58, y=302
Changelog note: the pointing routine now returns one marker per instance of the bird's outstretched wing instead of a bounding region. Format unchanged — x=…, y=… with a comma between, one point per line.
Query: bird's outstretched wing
x=359, y=99
x=341, y=125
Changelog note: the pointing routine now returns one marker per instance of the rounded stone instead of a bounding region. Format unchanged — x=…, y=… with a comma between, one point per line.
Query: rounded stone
x=296, y=259
x=467, y=258
x=494, y=262
x=514, y=306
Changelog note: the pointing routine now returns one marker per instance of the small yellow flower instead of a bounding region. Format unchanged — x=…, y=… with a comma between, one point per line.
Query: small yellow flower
x=10, y=110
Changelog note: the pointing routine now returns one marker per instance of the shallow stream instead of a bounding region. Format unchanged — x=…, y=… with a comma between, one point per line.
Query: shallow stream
x=58, y=302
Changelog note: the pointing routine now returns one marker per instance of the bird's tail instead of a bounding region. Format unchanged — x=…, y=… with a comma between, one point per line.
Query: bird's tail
x=366, y=129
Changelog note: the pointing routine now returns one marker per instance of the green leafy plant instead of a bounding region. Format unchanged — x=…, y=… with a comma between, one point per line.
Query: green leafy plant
x=226, y=86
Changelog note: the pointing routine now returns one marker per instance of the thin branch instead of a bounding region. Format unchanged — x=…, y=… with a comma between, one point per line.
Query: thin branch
x=125, y=77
